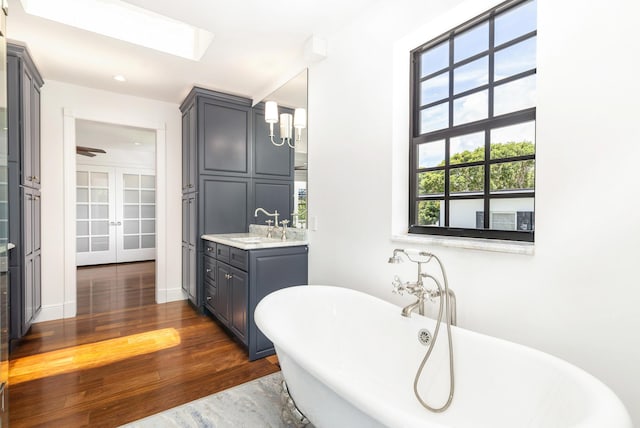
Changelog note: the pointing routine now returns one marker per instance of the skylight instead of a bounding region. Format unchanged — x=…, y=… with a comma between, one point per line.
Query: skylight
x=123, y=21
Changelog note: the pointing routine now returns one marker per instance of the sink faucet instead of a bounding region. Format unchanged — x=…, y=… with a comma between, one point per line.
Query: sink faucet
x=274, y=214
x=284, y=229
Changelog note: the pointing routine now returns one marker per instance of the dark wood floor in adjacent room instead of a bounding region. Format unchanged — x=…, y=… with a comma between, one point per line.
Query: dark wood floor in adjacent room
x=123, y=357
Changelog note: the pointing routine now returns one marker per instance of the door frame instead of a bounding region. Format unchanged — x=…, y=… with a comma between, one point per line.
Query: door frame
x=69, y=156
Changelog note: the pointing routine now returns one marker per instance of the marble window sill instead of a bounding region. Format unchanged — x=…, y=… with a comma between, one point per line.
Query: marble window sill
x=512, y=247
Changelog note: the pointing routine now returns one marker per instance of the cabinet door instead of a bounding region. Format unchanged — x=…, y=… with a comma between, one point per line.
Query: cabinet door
x=37, y=284
x=193, y=290
x=271, y=270
x=239, y=288
x=35, y=138
x=193, y=149
x=185, y=220
x=189, y=260
x=189, y=168
x=27, y=128
x=37, y=222
x=223, y=273
x=223, y=138
x=185, y=267
x=193, y=222
x=225, y=205
x=27, y=302
x=273, y=195
x=186, y=143
x=27, y=219
x=270, y=161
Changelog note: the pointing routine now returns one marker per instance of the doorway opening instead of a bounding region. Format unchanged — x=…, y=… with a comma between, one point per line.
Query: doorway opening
x=115, y=212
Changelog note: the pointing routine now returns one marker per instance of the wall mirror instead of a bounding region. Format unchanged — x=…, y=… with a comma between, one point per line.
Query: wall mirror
x=293, y=94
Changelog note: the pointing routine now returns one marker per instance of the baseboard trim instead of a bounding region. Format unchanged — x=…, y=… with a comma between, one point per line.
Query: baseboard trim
x=175, y=294
x=50, y=313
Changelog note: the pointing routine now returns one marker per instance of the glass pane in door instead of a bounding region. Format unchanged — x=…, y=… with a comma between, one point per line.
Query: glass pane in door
x=139, y=211
x=92, y=209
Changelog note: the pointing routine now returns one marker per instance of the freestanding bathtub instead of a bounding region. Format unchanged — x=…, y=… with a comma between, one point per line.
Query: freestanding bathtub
x=349, y=360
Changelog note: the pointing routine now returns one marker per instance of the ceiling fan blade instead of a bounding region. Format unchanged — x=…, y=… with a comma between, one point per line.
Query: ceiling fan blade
x=89, y=149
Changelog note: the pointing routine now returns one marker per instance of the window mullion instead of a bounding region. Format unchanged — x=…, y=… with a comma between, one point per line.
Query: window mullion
x=447, y=180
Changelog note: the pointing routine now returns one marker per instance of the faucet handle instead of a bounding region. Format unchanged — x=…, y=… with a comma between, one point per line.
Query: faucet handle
x=269, y=222
x=284, y=223
x=398, y=287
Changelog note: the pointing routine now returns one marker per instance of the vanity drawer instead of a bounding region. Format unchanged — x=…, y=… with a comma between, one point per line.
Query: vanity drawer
x=239, y=258
x=210, y=248
x=209, y=269
x=210, y=292
x=222, y=253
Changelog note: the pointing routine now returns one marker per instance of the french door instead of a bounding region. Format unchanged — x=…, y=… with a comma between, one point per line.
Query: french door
x=115, y=215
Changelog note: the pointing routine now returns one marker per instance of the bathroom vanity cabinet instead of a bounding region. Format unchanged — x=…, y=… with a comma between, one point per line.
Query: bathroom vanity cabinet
x=23, y=187
x=229, y=168
x=235, y=280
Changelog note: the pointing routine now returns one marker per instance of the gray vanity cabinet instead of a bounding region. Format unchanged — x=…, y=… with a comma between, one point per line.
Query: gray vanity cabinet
x=216, y=169
x=242, y=279
x=24, y=195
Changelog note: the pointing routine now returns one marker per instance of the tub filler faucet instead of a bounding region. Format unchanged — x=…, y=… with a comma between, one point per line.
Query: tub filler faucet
x=418, y=288
x=446, y=311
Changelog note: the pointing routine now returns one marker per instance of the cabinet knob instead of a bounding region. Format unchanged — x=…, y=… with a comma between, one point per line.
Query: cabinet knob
x=207, y=270
x=208, y=298
x=35, y=178
x=209, y=249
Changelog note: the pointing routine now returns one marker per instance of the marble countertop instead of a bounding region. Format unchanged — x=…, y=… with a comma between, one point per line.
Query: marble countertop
x=252, y=241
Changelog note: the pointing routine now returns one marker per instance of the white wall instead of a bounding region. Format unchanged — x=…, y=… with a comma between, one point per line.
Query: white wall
x=111, y=108
x=577, y=296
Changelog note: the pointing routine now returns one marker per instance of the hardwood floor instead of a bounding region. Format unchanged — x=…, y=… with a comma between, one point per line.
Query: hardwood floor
x=117, y=286
x=103, y=369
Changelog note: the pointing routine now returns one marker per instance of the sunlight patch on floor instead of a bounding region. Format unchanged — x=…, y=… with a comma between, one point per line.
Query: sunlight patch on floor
x=91, y=355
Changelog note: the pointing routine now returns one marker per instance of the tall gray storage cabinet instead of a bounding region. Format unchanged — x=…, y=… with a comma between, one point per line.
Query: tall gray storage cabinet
x=229, y=168
x=216, y=148
x=23, y=116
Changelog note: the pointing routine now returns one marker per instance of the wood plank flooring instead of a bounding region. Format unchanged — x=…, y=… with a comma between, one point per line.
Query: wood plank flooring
x=104, y=369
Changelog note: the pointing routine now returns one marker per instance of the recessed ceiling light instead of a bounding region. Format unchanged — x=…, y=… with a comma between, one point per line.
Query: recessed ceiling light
x=119, y=78
x=123, y=21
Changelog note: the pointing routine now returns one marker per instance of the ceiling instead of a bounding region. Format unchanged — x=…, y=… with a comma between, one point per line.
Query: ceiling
x=114, y=137
x=256, y=43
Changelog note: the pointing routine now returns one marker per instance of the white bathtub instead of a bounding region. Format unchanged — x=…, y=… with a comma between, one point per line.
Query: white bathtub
x=349, y=360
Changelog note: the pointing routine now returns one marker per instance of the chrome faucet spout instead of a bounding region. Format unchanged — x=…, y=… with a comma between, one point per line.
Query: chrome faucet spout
x=274, y=214
x=255, y=214
x=419, y=304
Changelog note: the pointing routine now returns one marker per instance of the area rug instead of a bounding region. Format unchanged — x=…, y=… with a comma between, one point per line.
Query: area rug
x=250, y=405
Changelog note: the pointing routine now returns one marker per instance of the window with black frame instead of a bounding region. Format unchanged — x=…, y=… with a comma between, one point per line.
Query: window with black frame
x=472, y=157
